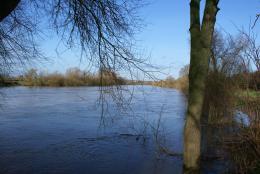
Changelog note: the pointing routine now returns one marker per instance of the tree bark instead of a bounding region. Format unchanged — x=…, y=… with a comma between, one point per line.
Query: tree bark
x=201, y=37
x=6, y=7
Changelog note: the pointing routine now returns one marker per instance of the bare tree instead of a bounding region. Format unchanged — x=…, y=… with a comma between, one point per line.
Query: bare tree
x=102, y=29
x=7, y=7
x=227, y=53
x=252, y=52
x=201, y=38
x=17, y=37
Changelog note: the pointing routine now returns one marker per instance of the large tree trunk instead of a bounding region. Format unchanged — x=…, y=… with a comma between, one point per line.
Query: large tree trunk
x=6, y=7
x=201, y=36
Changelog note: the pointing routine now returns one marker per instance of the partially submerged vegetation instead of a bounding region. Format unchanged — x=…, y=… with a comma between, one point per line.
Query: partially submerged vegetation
x=243, y=143
x=231, y=110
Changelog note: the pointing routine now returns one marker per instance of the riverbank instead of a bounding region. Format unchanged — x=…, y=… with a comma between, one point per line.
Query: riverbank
x=72, y=77
x=234, y=139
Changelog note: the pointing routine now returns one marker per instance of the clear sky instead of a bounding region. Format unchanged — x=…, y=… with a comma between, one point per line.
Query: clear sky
x=166, y=34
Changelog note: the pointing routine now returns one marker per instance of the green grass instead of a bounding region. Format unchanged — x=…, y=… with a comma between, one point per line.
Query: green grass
x=249, y=93
x=245, y=96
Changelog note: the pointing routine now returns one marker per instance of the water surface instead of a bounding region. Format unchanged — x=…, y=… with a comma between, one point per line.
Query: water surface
x=61, y=130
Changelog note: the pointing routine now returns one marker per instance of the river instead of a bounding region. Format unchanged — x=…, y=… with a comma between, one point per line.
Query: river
x=63, y=130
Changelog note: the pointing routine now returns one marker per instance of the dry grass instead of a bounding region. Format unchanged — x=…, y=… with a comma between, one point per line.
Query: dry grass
x=243, y=143
x=181, y=84
x=239, y=142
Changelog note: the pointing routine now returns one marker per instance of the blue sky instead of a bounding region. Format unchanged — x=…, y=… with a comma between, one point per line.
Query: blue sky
x=166, y=34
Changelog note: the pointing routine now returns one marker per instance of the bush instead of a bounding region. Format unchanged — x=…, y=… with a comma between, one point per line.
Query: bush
x=244, y=142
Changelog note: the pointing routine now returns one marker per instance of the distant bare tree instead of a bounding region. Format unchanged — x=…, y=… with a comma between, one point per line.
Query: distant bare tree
x=252, y=52
x=227, y=53
x=184, y=71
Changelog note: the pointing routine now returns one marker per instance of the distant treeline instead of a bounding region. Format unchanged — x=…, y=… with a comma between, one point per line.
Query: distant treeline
x=248, y=80
x=5, y=80
x=181, y=83
x=244, y=80
x=72, y=77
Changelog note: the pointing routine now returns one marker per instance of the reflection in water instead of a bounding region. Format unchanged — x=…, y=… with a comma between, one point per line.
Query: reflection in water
x=57, y=130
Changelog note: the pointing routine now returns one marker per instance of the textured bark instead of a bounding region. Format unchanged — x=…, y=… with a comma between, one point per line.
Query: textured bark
x=204, y=125
x=6, y=7
x=201, y=37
